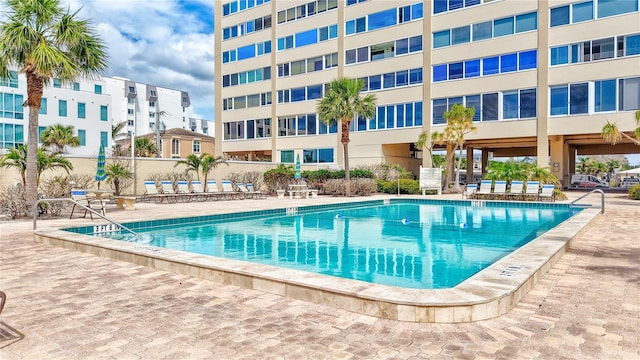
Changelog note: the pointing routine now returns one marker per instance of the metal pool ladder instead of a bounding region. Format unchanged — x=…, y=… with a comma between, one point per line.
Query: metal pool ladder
x=573, y=203
x=35, y=213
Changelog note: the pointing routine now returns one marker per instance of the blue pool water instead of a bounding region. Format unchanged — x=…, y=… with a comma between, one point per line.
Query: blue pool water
x=407, y=244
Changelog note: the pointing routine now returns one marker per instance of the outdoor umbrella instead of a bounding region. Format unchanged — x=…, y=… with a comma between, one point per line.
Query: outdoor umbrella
x=298, y=175
x=100, y=174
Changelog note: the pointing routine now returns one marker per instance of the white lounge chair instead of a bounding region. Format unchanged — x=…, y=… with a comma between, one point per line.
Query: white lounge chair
x=484, y=191
x=532, y=190
x=183, y=189
x=499, y=190
x=197, y=191
x=469, y=191
x=168, y=192
x=548, y=193
x=151, y=191
x=227, y=189
x=516, y=189
x=213, y=191
x=257, y=193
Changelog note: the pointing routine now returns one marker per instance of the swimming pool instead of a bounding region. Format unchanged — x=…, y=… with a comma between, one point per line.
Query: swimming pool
x=405, y=244
x=489, y=293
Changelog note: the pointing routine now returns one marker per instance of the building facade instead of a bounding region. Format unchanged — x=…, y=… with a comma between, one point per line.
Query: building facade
x=543, y=76
x=92, y=107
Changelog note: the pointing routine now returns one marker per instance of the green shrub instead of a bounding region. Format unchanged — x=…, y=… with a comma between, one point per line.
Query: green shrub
x=407, y=186
x=279, y=178
x=363, y=186
x=388, y=172
x=634, y=192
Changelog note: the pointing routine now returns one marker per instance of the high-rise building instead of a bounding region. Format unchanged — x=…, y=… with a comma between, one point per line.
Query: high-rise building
x=92, y=107
x=543, y=76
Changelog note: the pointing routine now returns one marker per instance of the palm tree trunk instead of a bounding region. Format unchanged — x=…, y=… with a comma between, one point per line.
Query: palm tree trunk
x=345, y=145
x=34, y=97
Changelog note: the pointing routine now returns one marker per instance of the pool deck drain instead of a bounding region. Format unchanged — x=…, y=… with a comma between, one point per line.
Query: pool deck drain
x=488, y=294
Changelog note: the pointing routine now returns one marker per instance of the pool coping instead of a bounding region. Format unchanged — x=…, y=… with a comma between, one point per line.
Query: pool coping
x=488, y=294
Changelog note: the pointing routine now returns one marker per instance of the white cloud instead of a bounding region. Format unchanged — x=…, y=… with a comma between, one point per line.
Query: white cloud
x=165, y=43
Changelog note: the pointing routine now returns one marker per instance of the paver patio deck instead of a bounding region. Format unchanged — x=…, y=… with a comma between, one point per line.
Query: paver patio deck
x=72, y=305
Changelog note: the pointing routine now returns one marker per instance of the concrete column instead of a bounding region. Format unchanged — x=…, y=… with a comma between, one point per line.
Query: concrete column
x=426, y=83
x=542, y=128
x=484, y=161
x=470, y=179
x=557, y=156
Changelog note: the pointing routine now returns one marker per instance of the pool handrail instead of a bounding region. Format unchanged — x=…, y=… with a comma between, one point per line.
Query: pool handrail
x=39, y=201
x=589, y=193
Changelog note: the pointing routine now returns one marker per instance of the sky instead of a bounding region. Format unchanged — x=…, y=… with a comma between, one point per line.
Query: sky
x=167, y=43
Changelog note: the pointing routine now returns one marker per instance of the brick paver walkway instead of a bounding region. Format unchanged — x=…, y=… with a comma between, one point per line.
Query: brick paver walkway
x=72, y=305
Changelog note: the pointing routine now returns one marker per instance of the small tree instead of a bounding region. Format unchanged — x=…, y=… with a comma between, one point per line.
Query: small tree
x=17, y=158
x=118, y=175
x=58, y=136
x=192, y=162
x=208, y=163
x=427, y=142
x=144, y=147
x=459, y=123
x=340, y=104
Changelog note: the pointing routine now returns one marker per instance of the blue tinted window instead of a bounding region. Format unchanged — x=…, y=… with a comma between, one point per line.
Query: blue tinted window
x=559, y=100
x=482, y=31
x=375, y=82
x=526, y=22
x=439, y=6
x=418, y=113
x=502, y=27
x=455, y=71
x=578, y=98
x=333, y=31
x=490, y=66
x=381, y=117
x=400, y=115
x=439, y=107
x=559, y=55
x=471, y=2
x=440, y=73
x=297, y=94
x=472, y=68
x=528, y=104
x=616, y=7
x=267, y=47
x=417, y=11
x=473, y=101
x=408, y=110
x=527, y=60
x=350, y=27
x=583, y=11
x=415, y=43
x=325, y=155
x=605, y=95
x=324, y=33
x=62, y=107
x=441, y=39
x=402, y=78
x=455, y=4
x=307, y=37
x=361, y=24
x=510, y=105
x=632, y=45
x=382, y=19
x=389, y=80
x=402, y=46
x=490, y=107
x=508, y=63
x=460, y=35
x=43, y=106
x=226, y=9
x=246, y=52
x=415, y=76
x=314, y=92
x=104, y=138
x=391, y=123
x=82, y=134
x=560, y=16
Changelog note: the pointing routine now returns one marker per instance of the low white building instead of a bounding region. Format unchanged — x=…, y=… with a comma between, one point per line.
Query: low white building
x=92, y=107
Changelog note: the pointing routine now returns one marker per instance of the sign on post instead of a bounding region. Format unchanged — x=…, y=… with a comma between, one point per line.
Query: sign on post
x=431, y=179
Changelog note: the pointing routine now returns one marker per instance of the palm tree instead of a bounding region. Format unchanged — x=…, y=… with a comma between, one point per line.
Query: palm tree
x=46, y=41
x=117, y=173
x=208, y=163
x=17, y=158
x=340, y=104
x=613, y=135
x=459, y=123
x=116, y=128
x=542, y=174
x=144, y=147
x=611, y=165
x=193, y=163
x=58, y=136
x=507, y=170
